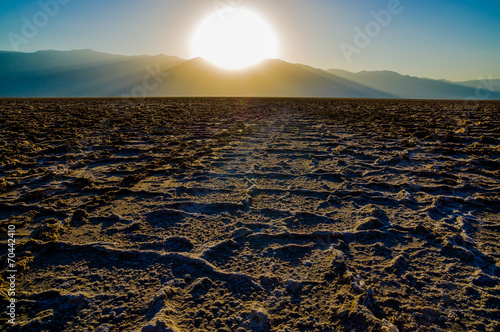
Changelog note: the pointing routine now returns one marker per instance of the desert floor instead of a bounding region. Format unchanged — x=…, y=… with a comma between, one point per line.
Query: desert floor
x=251, y=214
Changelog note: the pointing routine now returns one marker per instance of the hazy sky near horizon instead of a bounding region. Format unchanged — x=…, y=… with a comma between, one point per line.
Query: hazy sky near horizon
x=455, y=40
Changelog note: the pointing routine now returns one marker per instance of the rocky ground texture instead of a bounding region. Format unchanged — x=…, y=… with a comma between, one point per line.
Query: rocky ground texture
x=251, y=214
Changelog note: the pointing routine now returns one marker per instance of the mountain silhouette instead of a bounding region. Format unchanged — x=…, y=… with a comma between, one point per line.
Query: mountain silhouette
x=81, y=73
x=271, y=78
x=404, y=86
x=87, y=73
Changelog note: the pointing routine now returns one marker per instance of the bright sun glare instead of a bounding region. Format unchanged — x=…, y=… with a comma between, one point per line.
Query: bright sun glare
x=234, y=39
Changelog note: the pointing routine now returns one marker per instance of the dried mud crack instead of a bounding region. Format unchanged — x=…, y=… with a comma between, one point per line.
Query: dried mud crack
x=195, y=214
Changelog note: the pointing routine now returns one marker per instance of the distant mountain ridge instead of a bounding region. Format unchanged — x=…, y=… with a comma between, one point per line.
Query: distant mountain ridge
x=80, y=73
x=411, y=87
x=87, y=73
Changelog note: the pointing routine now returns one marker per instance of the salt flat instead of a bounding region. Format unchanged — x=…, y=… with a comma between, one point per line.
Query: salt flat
x=228, y=214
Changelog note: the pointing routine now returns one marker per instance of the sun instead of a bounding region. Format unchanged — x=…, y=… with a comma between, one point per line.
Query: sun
x=234, y=39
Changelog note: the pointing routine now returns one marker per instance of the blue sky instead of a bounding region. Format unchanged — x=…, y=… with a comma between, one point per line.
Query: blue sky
x=456, y=40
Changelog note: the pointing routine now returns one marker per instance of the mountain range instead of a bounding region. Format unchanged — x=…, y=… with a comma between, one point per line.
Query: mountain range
x=87, y=73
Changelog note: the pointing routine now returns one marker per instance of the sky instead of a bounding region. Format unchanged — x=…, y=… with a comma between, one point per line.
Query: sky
x=456, y=40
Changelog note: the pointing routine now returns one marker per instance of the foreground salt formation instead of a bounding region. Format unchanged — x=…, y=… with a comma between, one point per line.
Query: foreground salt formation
x=252, y=215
